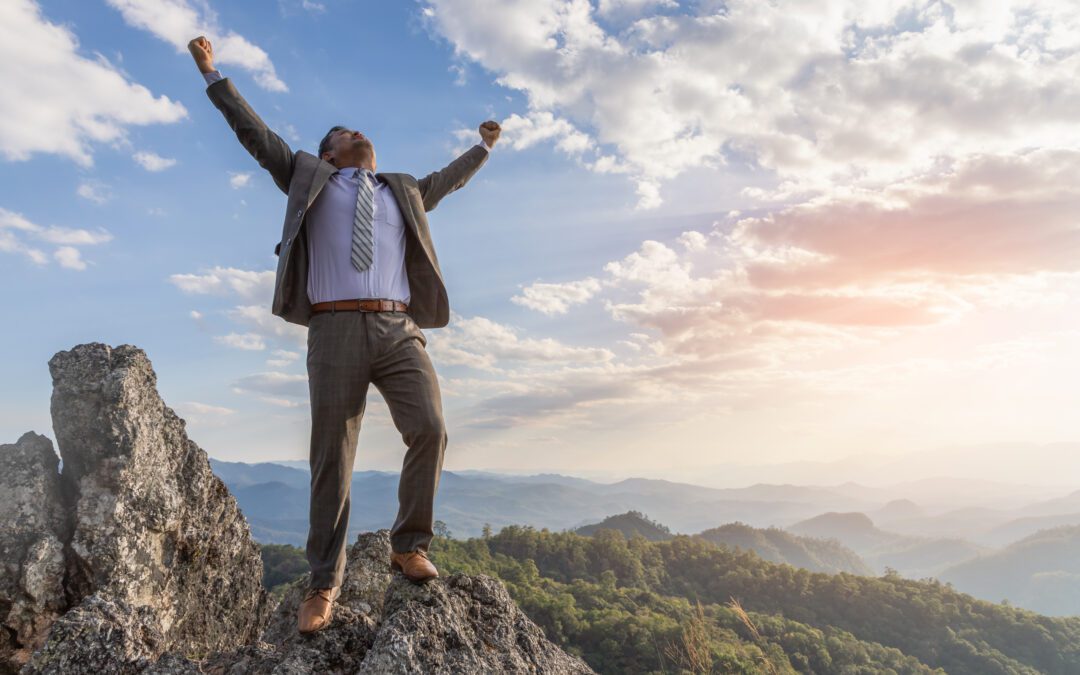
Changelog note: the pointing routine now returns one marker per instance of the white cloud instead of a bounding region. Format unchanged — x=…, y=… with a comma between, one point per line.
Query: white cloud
x=556, y=298
x=693, y=240
x=206, y=409
x=825, y=94
x=624, y=9
x=239, y=179
x=487, y=345
x=247, y=284
x=282, y=358
x=94, y=191
x=274, y=384
x=259, y=319
x=69, y=257
x=55, y=100
x=178, y=21
x=204, y=414
x=246, y=341
x=153, y=162
x=15, y=228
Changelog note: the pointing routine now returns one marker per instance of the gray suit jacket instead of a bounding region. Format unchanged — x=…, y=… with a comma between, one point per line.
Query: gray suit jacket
x=302, y=176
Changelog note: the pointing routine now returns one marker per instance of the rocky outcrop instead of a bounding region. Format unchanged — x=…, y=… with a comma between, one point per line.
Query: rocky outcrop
x=31, y=547
x=136, y=559
x=384, y=623
x=136, y=539
x=153, y=525
x=465, y=624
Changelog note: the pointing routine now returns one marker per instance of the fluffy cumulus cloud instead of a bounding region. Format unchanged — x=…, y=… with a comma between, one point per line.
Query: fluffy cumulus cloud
x=482, y=343
x=512, y=380
x=823, y=93
x=285, y=390
x=252, y=328
x=246, y=284
x=20, y=235
x=248, y=341
x=152, y=161
x=56, y=99
x=239, y=179
x=556, y=298
x=178, y=21
x=922, y=159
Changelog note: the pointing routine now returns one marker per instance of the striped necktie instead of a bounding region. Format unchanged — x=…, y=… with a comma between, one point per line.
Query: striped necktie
x=363, y=242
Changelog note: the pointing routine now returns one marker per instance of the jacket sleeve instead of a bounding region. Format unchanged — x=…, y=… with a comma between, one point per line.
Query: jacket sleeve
x=435, y=186
x=269, y=150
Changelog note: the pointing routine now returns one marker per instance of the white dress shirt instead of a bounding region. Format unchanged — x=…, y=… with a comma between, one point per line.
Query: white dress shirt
x=331, y=275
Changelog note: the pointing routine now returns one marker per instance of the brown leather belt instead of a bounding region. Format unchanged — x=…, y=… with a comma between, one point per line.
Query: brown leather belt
x=359, y=305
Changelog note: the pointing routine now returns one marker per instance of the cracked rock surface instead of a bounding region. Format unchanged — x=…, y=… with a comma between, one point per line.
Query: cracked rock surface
x=135, y=558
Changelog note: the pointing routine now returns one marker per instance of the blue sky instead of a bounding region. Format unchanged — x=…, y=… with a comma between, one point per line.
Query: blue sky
x=709, y=232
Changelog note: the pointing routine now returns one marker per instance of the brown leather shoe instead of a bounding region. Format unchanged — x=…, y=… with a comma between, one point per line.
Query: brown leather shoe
x=315, y=610
x=414, y=565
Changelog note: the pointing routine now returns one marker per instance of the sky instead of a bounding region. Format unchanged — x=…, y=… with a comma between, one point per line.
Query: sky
x=710, y=233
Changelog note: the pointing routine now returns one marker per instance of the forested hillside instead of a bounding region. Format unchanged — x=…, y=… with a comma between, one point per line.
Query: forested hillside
x=633, y=607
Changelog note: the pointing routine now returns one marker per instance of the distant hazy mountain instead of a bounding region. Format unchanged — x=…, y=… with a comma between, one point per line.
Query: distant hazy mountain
x=913, y=538
x=897, y=509
x=275, y=499
x=1011, y=531
x=1040, y=573
x=629, y=523
x=914, y=557
x=1070, y=503
x=779, y=546
x=239, y=474
x=852, y=529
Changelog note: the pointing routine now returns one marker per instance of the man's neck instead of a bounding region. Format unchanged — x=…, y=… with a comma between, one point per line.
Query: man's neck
x=360, y=164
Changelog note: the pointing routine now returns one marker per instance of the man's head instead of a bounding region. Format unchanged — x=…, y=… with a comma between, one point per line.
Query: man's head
x=342, y=146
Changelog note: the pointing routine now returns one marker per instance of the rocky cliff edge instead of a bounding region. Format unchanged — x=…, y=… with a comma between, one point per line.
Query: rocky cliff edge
x=134, y=558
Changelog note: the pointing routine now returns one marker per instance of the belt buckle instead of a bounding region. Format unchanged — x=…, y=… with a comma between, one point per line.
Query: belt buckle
x=386, y=305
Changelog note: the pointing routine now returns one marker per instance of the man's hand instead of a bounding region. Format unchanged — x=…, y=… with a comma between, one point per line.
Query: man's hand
x=489, y=131
x=203, y=53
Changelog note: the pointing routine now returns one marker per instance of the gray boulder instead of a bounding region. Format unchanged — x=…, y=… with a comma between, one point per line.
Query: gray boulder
x=463, y=624
x=153, y=525
x=136, y=539
x=31, y=547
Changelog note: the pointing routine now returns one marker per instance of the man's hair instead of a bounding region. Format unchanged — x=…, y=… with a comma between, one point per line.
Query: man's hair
x=324, y=144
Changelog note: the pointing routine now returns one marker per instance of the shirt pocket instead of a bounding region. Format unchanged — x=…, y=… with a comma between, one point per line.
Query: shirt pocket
x=392, y=212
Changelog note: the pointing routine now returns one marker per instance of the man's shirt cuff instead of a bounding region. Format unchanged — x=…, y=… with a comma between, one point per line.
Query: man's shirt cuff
x=212, y=77
x=484, y=146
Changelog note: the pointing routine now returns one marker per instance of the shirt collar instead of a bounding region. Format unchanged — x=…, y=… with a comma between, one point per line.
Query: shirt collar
x=353, y=172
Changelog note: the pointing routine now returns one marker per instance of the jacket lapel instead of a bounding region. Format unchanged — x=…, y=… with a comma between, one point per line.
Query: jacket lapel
x=404, y=204
x=323, y=171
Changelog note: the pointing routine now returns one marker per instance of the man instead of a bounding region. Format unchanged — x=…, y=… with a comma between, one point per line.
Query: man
x=357, y=266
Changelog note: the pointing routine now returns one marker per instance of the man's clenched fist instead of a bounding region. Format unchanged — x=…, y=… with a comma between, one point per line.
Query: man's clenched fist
x=489, y=131
x=203, y=53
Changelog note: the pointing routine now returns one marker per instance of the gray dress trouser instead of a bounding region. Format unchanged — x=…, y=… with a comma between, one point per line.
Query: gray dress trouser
x=347, y=351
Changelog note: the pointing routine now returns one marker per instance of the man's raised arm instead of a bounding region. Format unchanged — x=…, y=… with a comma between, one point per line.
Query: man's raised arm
x=435, y=186
x=269, y=150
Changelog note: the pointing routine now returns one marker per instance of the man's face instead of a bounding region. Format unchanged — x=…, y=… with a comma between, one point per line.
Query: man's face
x=350, y=143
